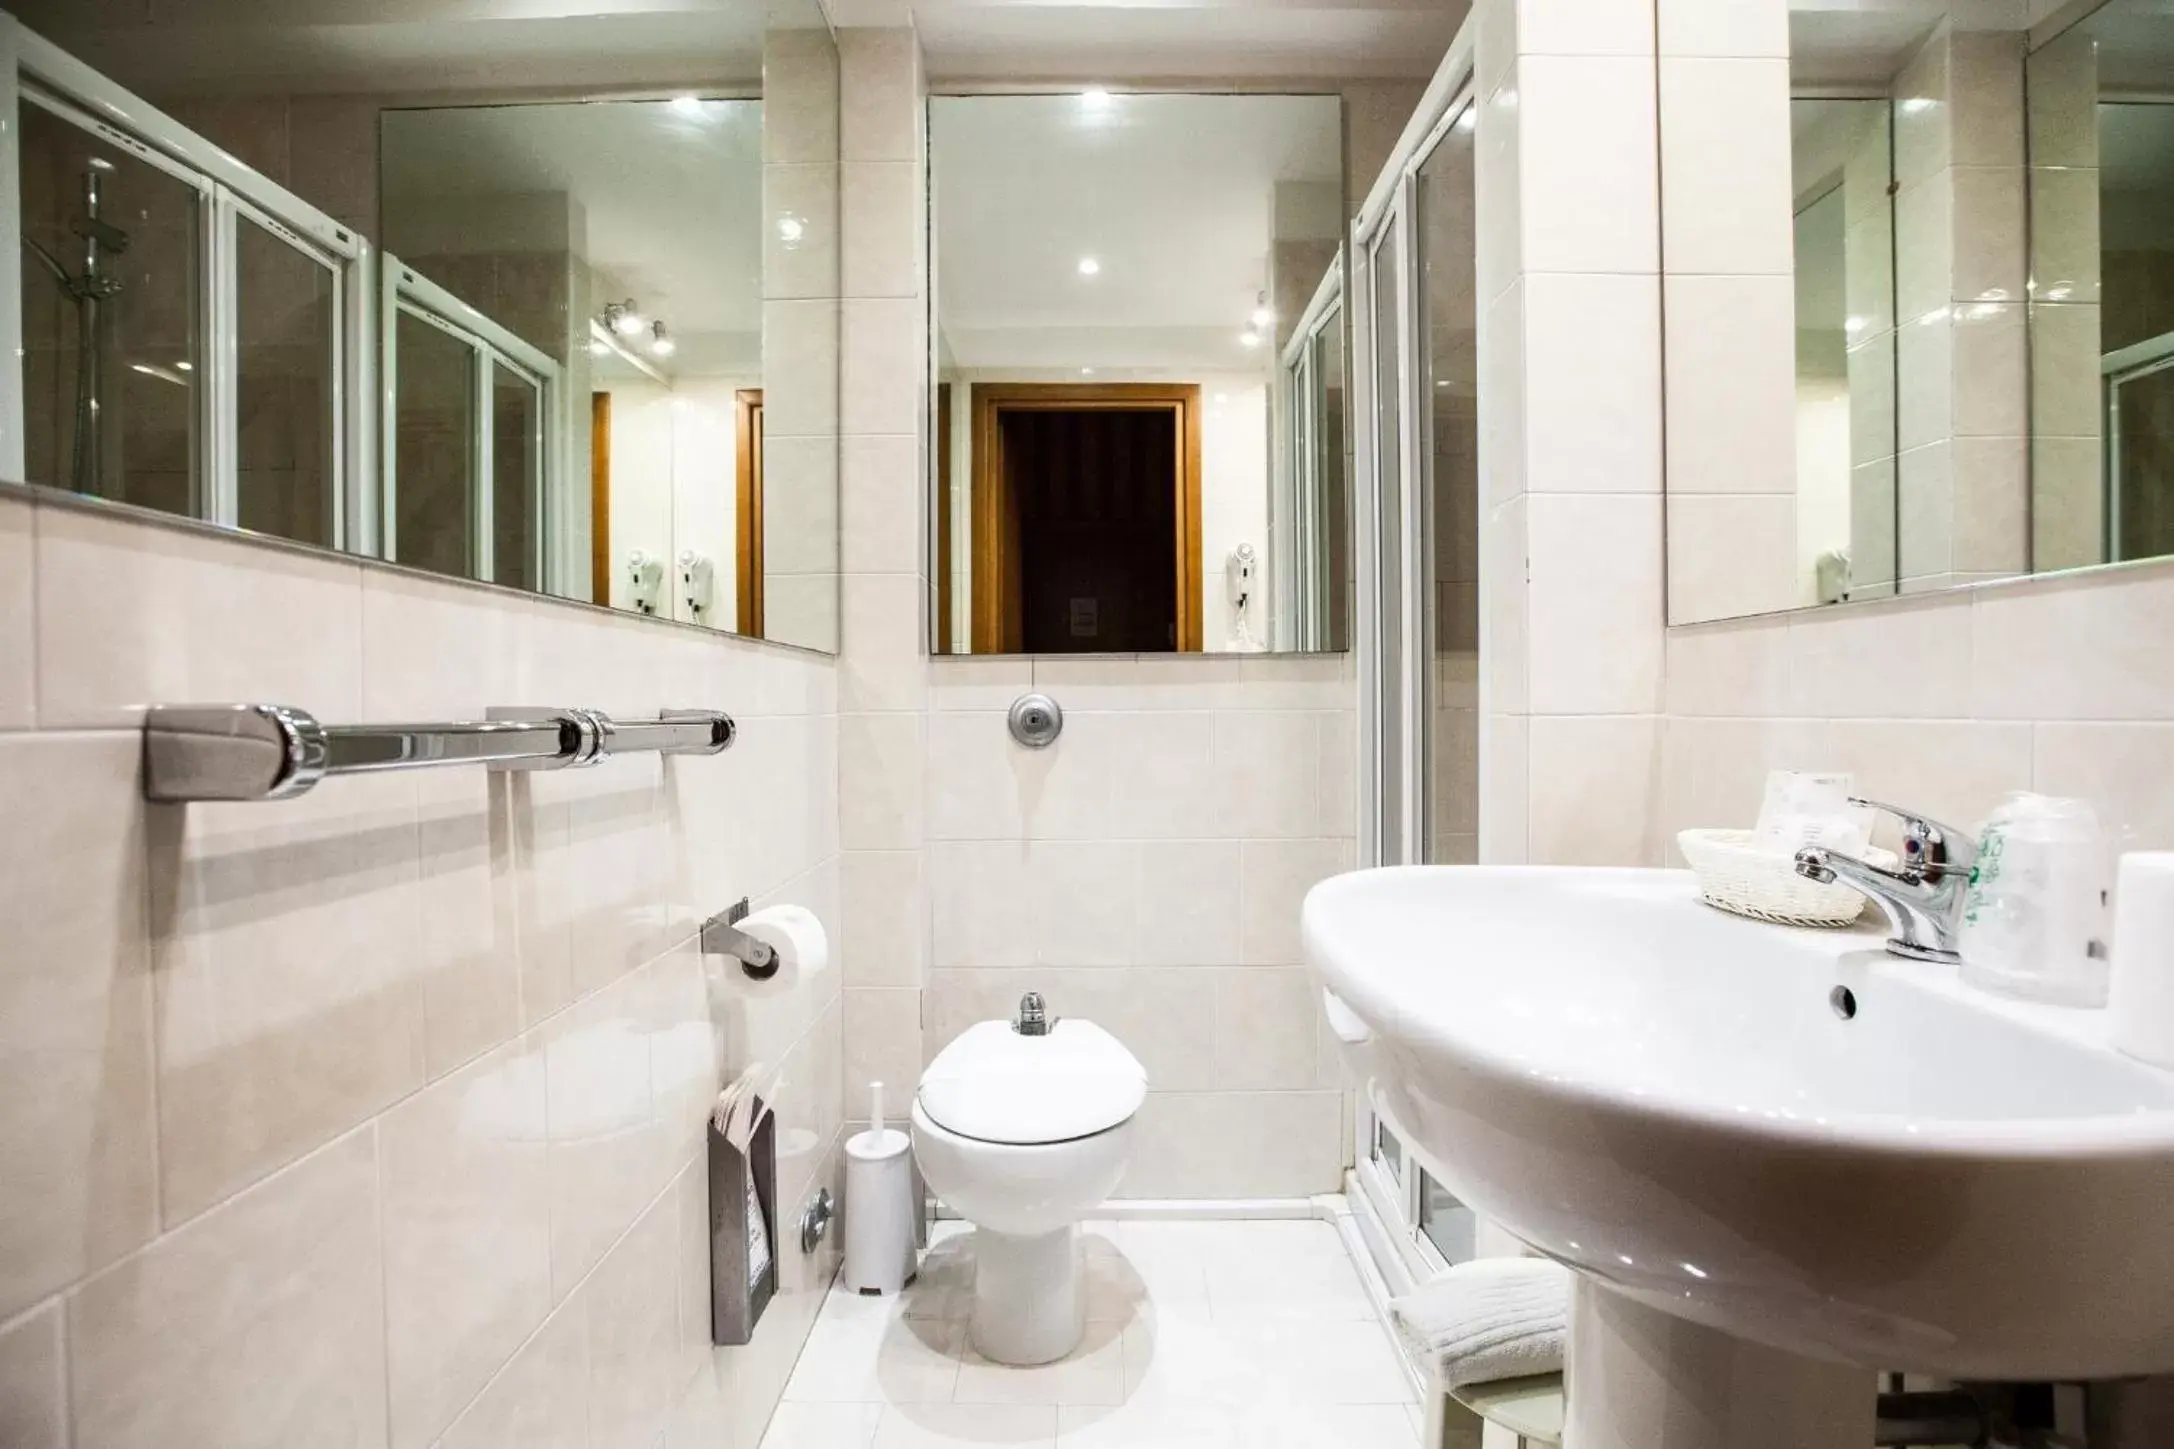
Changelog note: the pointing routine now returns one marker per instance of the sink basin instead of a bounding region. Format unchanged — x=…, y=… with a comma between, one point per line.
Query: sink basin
x=1784, y=1135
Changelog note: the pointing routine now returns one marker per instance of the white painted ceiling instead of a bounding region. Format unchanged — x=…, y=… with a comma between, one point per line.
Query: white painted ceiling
x=423, y=46
x=671, y=193
x=1171, y=195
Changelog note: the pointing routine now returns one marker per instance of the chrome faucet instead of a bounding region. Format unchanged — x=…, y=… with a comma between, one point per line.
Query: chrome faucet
x=1033, y=1019
x=1922, y=897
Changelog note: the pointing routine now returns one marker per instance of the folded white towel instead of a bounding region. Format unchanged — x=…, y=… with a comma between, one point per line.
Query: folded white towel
x=1492, y=1318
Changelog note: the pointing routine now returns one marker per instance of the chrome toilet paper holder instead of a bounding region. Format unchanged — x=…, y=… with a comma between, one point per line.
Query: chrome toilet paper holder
x=722, y=936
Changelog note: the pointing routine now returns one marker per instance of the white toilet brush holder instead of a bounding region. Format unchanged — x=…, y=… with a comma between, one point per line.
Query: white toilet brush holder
x=881, y=1217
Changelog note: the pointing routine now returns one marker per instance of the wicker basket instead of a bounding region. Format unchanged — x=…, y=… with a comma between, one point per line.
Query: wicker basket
x=1736, y=876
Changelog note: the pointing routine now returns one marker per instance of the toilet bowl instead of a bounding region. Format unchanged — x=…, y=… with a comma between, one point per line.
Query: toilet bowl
x=1021, y=1135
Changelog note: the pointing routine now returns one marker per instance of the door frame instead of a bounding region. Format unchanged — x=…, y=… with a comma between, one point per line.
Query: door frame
x=996, y=631
x=747, y=449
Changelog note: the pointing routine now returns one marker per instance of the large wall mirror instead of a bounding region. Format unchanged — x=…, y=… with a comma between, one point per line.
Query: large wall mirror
x=545, y=303
x=1916, y=334
x=1140, y=364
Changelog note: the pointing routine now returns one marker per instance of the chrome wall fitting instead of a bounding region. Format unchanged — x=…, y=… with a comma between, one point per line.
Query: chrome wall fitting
x=1036, y=721
x=722, y=936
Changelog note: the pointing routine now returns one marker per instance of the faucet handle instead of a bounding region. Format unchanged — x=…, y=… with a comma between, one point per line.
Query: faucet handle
x=1927, y=846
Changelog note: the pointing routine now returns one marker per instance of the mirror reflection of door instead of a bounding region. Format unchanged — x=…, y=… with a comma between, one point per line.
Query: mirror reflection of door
x=1086, y=505
x=747, y=447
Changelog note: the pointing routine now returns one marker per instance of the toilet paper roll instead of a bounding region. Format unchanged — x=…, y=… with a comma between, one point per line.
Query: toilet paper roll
x=2141, y=996
x=802, y=947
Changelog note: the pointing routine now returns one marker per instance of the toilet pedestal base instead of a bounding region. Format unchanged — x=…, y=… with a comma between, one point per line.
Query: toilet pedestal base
x=1639, y=1379
x=1029, y=1304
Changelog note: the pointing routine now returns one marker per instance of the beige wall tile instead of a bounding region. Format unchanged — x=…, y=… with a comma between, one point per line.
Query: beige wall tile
x=883, y=216
x=290, y=1006
x=1955, y=773
x=432, y=648
x=1595, y=781
x=18, y=616
x=883, y=503
x=881, y=765
x=884, y=358
x=203, y=620
x=1236, y=1144
x=1267, y=1024
x=881, y=666
x=631, y=1304
x=1265, y=782
x=1725, y=141
x=980, y=904
x=1592, y=383
x=1731, y=384
x=1186, y=902
x=1274, y=876
x=1730, y=556
x=806, y=265
x=882, y=1044
x=981, y=783
x=262, y=1323
x=606, y=1138
x=883, y=937
x=1881, y=661
x=880, y=84
x=33, y=1383
x=467, y=906
x=799, y=95
x=1739, y=668
x=2094, y=647
x=800, y=369
x=1505, y=797
x=1596, y=612
x=75, y=1014
x=990, y=683
x=1586, y=124
x=1082, y=903
x=2122, y=769
x=1569, y=27
x=1724, y=27
x=540, y=1399
x=467, y=1228
x=1714, y=770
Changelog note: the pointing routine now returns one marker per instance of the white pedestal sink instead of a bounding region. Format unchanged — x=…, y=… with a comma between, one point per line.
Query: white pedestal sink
x=1784, y=1137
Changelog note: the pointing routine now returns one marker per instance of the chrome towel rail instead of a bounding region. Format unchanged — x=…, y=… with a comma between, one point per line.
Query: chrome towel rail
x=274, y=752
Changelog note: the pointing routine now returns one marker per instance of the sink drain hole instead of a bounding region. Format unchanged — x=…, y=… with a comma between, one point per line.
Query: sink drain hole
x=1844, y=1002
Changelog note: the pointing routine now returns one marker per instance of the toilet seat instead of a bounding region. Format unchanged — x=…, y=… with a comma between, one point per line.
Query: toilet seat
x=994, y=1085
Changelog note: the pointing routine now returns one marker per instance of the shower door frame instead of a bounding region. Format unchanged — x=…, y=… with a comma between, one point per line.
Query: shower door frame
x=1392, y=637
x=35, y=69
x=490, y=346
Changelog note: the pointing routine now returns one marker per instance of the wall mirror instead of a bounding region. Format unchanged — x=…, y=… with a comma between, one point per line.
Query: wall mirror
x=545, y=303
x=2101, y=108
x=1140, y=374
x=1843, y=238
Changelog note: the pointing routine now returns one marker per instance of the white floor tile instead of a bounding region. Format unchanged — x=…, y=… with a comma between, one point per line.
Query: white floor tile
x=1149, y=1426
x=1094, y=1373
x=822, y=1426
x=966, y=1426
x=1200, y=1335
x=863, y=1351
x=1370, y=1426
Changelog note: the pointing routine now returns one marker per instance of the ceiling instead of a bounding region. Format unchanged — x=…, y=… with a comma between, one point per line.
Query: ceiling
x=175, y=47
x=1172, y=196
x=671, y=192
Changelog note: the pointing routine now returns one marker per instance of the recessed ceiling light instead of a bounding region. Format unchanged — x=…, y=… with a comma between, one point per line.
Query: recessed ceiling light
x=1262, y=316
x=184, y=366
x=1249, y=339
x=1086, y=372
x=687, y=105
x=1089, y=267
x=1094, y=98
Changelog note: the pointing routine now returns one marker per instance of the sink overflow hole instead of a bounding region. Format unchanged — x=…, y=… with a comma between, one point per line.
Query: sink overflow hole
x=1844, y=1002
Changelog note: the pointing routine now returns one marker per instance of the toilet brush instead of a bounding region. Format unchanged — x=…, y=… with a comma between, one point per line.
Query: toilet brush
x=879, y=1205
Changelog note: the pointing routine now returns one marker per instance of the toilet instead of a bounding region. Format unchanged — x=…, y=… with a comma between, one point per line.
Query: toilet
x=1022, y=1127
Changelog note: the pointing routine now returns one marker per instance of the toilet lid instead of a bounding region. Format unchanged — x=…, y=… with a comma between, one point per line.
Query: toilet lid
x=994, y=1085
